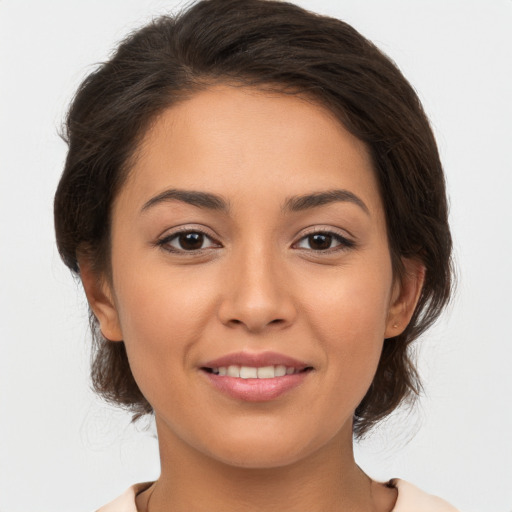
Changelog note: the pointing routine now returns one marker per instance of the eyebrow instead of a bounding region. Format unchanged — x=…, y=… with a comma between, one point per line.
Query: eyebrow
x=307, y=201
x=292, y=204
x=195, y=198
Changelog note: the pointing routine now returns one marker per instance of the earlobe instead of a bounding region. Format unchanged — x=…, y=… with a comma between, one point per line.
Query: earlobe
x=99, y=296
x=405, y=296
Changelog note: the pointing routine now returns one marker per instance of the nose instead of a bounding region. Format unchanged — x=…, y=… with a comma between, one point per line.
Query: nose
x=256, y=294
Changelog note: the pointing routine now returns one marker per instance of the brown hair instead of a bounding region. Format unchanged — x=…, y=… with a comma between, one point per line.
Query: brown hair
x=275, y=45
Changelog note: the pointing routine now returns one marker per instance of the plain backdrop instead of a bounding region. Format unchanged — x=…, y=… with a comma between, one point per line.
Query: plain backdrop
x=62, y=449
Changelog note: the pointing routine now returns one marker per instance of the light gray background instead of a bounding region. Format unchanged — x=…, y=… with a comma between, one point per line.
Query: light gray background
x=63, y=450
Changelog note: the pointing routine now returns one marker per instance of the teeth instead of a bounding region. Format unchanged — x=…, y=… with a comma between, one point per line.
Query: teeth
x=281, y=371
x=246, y=372
x=233, y=371
x=249, y=372
x=266, y=372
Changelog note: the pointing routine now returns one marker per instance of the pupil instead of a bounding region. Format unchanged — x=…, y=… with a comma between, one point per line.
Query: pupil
x=320, y=242
x=191, y=241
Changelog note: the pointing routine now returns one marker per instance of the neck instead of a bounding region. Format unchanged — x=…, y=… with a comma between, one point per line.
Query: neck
x=326, y=480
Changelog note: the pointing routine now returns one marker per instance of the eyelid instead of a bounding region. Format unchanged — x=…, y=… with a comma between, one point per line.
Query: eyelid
x=164, y=240
x=321, y=228
x=345, y=242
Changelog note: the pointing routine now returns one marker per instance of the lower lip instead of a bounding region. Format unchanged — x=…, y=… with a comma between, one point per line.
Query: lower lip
x=256, y=390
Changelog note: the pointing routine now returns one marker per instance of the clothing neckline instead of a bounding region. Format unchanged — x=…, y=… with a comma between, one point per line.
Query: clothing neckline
x=408, y=496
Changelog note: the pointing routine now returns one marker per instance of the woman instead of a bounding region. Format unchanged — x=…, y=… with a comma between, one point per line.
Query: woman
x=254, y=202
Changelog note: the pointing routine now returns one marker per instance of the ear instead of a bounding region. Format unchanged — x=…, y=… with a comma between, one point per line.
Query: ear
x=405, y=295
x=100, y=298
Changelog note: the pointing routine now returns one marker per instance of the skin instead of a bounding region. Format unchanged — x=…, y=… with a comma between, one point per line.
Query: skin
x=258, y=283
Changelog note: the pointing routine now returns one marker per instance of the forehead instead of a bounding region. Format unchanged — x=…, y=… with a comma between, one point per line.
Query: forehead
x=241, y=142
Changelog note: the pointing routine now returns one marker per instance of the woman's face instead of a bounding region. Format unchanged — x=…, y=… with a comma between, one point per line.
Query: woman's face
x=250, y=233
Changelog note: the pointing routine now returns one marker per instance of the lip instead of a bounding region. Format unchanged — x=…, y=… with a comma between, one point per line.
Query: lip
x=256, y=390
x=256, y=359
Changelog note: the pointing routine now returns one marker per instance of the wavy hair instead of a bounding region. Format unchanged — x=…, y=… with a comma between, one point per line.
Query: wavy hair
x=273, y=45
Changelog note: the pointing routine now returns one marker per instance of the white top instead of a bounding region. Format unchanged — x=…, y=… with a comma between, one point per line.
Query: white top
x=410, y=499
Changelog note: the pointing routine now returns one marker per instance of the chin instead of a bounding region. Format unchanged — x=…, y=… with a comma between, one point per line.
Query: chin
x=259, y=450
x=258, y=457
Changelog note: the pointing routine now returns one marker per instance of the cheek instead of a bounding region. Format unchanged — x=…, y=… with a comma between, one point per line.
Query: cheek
x=348, y=318
x=159, y=300
x=351, y=303
x=162, y=314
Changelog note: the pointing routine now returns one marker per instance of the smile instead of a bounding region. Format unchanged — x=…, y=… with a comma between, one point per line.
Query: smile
x=255, y=377
x=249, y=372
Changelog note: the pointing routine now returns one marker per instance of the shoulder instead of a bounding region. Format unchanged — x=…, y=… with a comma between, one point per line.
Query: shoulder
x=410, y=498
x=125, y=502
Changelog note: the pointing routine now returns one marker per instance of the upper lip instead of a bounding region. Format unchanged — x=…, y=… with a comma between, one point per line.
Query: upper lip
x=256, y=360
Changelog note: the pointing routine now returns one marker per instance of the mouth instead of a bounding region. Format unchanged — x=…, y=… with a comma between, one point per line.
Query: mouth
x=256, y=377
x=251, y=372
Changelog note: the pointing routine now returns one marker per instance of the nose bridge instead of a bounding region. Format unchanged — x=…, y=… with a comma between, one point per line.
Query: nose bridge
x=256, y=292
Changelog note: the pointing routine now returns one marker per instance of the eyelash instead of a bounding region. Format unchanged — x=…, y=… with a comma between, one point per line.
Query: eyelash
x=164, y=242
x=343, y=243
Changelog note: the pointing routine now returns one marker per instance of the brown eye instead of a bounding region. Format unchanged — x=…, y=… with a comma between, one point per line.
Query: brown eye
x=187, y=241
x=190, y=241
x=320, y=241
x=324, y=241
